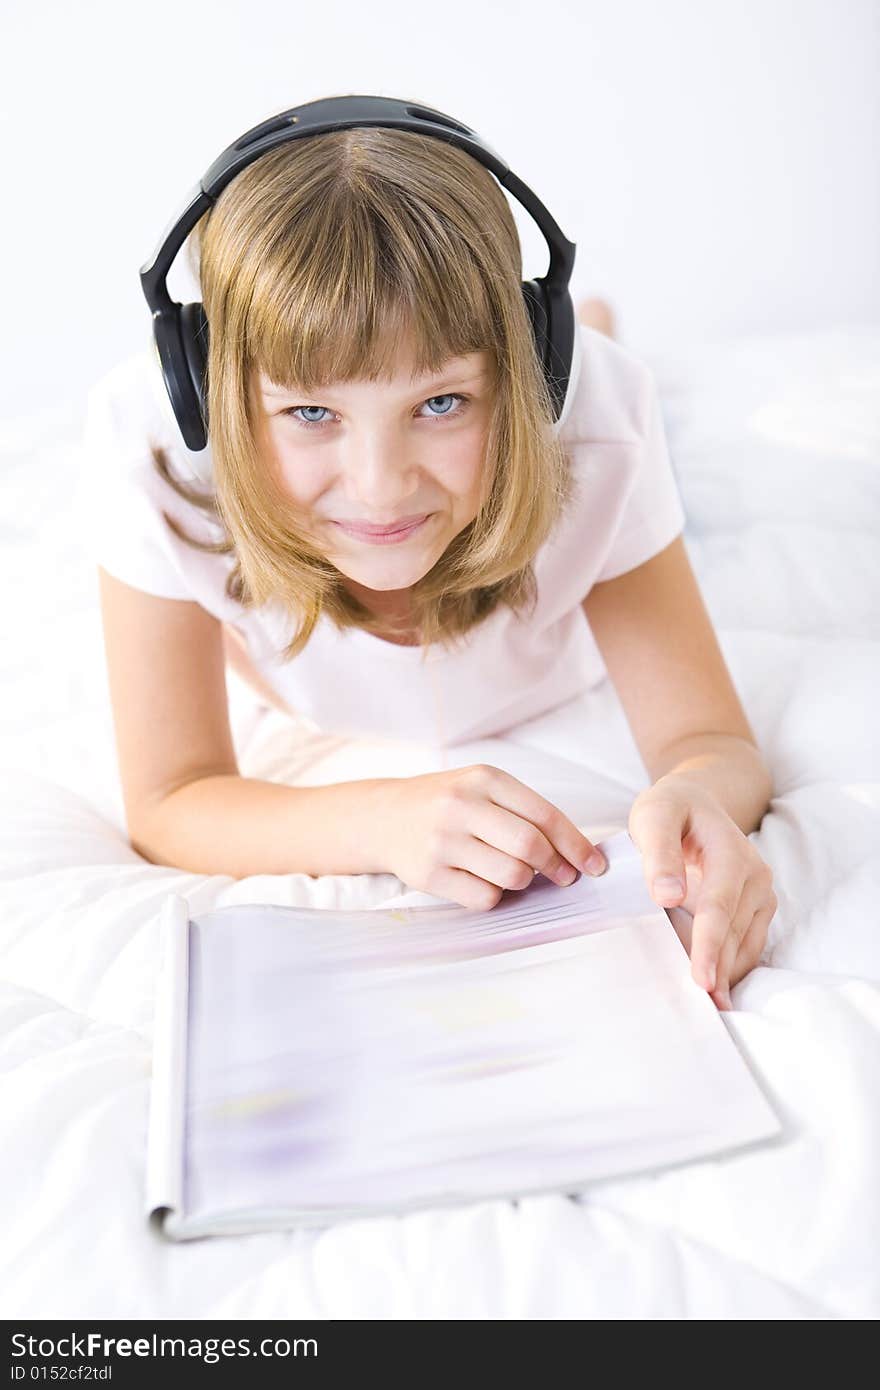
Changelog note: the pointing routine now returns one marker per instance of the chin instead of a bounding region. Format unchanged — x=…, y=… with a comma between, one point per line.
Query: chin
x=384, y=578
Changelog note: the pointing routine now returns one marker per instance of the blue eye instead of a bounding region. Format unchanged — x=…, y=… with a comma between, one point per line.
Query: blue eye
x=463, y=404
x=447, y=397
x=308, y=407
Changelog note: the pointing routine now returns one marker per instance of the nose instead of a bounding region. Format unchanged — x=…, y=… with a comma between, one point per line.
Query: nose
x=381, y=475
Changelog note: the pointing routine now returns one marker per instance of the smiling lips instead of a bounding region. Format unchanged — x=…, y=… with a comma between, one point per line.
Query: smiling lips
x=398, y=531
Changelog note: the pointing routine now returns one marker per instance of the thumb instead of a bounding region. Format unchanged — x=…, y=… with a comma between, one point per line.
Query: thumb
x=657, y=831
x=668, y=884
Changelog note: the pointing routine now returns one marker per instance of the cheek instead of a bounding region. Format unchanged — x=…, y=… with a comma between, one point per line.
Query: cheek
x=301, y=477
x=460, y=467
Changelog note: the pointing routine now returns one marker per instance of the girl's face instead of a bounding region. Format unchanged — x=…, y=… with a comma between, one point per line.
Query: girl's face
x=365, y=455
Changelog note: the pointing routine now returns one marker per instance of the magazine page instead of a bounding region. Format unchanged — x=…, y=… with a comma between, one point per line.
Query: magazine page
x=379, y=1060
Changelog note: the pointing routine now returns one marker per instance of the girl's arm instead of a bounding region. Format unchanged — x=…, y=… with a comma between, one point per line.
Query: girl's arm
x=186, y=803
x=228, y=824
x=661, y=652
x=710, y=785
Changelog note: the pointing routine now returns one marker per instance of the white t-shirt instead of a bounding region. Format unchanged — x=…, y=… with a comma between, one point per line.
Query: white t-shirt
x=510, y=667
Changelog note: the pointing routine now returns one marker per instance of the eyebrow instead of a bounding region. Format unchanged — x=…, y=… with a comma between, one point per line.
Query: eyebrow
x=450, y=379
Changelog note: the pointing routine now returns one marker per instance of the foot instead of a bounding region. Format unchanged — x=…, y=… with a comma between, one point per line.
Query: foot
x=597, y=313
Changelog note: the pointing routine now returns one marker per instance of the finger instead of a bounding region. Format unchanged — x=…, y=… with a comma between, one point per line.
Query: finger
x=561, y=834
x=754, y=914
x=468, y=890
x=657, y=828
x=505, y=849
x=742, y=919
x=724, y=877
x=694, y=882
x=753, y=943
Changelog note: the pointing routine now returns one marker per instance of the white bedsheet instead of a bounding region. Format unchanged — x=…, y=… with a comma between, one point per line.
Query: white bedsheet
x=776, y=443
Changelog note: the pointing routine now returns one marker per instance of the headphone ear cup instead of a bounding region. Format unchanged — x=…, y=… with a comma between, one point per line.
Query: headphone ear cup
x=178, y=375
x=555, y=357
x=194, y=338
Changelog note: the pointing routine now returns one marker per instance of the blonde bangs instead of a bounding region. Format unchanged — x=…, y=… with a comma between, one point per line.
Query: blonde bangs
x=353, y=290
x=317, y=262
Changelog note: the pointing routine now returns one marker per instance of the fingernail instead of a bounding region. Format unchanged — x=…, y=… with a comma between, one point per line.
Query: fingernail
x=596, y=864
x=667, y=887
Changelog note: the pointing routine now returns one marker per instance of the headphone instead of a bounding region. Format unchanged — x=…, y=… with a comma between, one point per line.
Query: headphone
x=180, y=331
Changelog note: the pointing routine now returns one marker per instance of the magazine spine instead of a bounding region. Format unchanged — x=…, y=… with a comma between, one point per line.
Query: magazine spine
x=167, y=1092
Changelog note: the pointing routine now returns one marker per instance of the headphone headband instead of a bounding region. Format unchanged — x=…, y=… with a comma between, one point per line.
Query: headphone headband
x=181, y=330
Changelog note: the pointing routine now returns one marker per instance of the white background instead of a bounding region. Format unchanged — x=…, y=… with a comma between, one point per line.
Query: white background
x=716, y=163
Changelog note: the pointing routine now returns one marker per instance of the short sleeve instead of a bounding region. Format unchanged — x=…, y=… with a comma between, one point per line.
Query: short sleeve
x=653, y=514
x=119, y=499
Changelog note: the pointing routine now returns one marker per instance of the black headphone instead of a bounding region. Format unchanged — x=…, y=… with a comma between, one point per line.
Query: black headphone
x=181, y=330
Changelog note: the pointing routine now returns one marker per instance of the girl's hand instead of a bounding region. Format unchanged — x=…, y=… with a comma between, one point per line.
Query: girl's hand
x=677, y=825
x=470, y=833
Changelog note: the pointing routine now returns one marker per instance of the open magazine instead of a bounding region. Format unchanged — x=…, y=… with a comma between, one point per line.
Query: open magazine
x=312, y=1065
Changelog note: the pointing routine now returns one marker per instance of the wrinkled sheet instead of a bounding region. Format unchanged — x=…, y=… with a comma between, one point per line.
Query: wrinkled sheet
x=776, y=445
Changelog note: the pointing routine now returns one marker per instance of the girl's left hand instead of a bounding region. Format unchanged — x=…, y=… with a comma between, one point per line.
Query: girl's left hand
x=679, y=826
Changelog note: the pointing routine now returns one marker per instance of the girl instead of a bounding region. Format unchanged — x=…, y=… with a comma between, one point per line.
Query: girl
x=387, y=535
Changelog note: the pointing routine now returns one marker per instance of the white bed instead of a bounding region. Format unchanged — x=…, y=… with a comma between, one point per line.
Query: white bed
x=776, y=443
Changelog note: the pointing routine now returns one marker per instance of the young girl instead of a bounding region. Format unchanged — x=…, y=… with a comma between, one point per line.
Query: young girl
x=388, y=534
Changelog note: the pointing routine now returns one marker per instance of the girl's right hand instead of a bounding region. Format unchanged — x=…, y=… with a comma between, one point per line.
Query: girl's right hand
x=470, y=833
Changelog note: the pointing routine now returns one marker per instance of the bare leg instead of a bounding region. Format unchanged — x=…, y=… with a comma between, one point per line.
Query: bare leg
x=598, y=314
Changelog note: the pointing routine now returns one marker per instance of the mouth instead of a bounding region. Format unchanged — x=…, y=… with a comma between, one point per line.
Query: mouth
x=383, y=535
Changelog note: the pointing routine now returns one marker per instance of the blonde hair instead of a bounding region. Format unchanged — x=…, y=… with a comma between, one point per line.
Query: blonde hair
x=312, y=263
